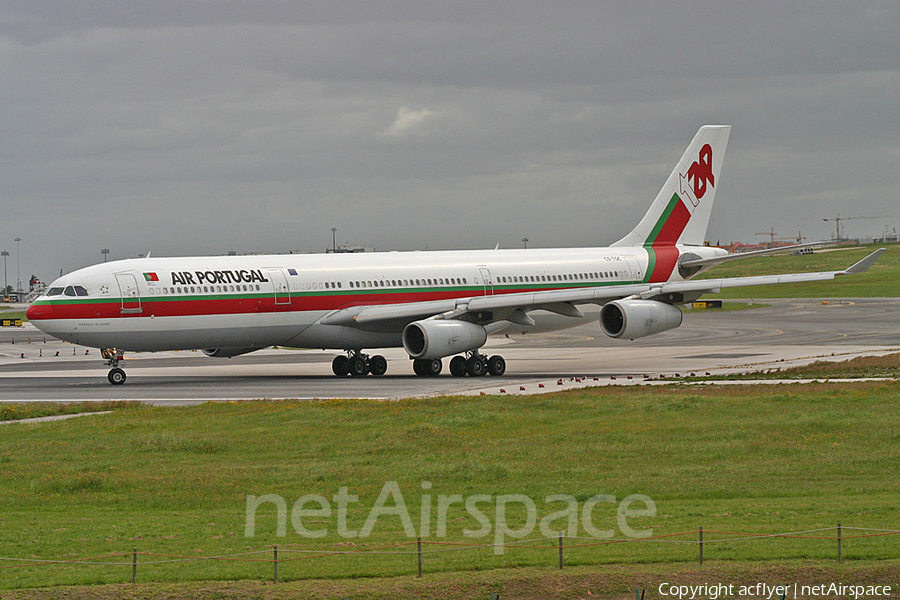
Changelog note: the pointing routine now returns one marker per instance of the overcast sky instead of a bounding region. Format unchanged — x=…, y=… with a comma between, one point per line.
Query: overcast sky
x=183, y=127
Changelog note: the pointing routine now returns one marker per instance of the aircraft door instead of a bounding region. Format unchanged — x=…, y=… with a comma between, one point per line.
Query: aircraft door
x=488, y=282
x=637, y=274
x=282, y=290
x=128, y=290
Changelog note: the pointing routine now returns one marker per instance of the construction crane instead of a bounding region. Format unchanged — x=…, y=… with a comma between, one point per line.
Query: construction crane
x=771, y=233
x=839, y=230
x=799, y=239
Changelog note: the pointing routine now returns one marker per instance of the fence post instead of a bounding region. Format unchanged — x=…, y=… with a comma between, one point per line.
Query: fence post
x=560, y=550
x=419, y=554
x=275, y=563
x=701, y=544
x=840, y=545
x=134, y=566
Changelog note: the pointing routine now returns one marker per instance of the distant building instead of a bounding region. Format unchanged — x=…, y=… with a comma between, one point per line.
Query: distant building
x=348, y=249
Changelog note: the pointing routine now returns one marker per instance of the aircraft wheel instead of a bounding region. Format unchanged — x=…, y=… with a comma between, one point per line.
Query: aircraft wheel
x=116, y=376
x=458, y=366
x=496, y=366
x=358, y=366
x=378, y=365
x=418, y=369
x=341, y=366
x=432, y=368
x=476, y=366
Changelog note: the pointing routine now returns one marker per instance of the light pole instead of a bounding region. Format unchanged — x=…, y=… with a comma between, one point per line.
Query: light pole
x=18, y=267
x=333, y=243
x=5, y=283
x=105, y=253
x=525, y=241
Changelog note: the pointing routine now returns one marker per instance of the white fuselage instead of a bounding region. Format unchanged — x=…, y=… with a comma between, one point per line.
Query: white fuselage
x=246, y=302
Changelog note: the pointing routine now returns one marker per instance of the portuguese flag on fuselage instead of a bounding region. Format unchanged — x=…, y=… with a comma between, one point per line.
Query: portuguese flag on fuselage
x=151, y=276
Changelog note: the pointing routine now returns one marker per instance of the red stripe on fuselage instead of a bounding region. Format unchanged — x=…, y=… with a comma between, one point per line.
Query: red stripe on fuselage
x=173, y=306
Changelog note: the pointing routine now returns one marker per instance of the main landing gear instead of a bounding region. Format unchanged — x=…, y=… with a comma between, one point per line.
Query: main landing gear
x=357, y=364
x=113, y=358
x=473, y=365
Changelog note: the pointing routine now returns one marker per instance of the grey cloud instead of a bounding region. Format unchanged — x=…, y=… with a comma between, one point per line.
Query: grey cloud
x=210, y=126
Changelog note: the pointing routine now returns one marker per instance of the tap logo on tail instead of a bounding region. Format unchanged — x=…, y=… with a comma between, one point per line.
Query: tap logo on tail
x=698, y=175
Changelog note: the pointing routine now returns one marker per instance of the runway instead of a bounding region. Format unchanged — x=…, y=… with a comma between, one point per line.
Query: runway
x=787, y=333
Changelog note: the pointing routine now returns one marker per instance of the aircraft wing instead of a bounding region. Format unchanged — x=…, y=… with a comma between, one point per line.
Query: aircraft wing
x=513, y=307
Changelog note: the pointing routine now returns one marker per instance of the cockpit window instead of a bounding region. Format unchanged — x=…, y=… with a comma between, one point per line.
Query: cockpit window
x=71, y=290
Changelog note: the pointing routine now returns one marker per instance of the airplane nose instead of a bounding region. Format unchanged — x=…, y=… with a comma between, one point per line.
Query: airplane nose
x=39, y=312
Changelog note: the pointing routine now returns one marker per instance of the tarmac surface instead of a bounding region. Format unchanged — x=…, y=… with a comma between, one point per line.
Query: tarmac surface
x=787, y=333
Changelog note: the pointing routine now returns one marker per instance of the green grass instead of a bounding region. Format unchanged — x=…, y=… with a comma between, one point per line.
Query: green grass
x=524, y=583
x=175, y=480
x=881, y=281
x=886, y=366
x=31, y=410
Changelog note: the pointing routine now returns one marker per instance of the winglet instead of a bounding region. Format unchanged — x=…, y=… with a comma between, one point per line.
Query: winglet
x=863, y=265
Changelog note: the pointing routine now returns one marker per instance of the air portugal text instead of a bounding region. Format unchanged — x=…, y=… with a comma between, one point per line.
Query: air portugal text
x=201, y=277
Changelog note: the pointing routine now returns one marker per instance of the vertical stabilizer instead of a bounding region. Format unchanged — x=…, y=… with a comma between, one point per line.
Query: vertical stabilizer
x=680, y=213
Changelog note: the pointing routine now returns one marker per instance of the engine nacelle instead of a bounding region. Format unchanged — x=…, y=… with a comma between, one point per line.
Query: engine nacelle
x=432, y=339
x=632, y=319
x=228, y=352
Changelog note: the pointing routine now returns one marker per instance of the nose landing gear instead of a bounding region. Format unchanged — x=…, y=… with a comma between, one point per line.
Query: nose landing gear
x=114, y=357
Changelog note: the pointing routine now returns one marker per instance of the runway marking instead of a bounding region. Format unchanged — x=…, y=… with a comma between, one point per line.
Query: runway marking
x=723, y=355
x=55, y=418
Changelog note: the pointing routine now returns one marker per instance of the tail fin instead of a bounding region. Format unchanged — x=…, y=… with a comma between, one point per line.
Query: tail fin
x=680, y=213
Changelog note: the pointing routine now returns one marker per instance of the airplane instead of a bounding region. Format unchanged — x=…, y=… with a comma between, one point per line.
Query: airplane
x=433, y=304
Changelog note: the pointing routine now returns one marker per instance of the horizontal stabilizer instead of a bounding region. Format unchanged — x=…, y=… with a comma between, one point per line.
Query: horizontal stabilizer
x=700, y=262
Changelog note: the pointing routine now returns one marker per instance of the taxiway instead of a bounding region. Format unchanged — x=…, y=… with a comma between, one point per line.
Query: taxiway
x=786, y=333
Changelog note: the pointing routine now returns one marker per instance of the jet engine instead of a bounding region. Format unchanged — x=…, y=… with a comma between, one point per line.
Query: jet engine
x=431, y=339
x=228, y=352
x=632, y=319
